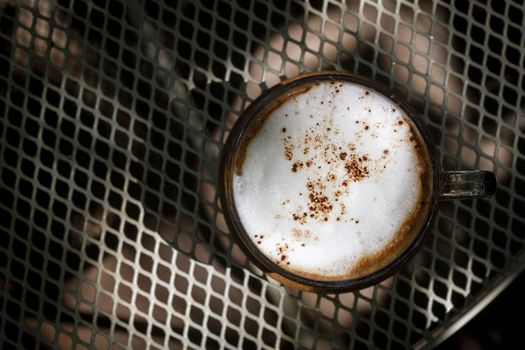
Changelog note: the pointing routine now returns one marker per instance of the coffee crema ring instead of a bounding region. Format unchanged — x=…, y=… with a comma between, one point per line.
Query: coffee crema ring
x=331, y=181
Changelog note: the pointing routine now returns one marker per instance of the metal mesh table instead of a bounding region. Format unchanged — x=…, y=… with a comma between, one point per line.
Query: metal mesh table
x=112, y=118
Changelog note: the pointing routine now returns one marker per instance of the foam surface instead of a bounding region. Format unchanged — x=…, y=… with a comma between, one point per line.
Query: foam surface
x=330, y=178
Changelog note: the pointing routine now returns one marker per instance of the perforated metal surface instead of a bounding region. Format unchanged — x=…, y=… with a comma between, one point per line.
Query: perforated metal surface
x=112, y=118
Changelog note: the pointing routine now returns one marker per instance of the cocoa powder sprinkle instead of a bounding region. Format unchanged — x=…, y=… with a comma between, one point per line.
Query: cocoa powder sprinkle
x=297, y=165
x=356, y=168
x=288, y=152
x=319, y=205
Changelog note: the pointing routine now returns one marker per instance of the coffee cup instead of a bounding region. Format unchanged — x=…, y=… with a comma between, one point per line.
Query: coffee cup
x=330, y=182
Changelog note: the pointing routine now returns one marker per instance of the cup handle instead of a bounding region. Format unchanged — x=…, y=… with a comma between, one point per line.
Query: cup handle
x=466, y=184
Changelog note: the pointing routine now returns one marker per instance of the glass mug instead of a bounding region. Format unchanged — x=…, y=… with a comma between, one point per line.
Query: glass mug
x=443, y=185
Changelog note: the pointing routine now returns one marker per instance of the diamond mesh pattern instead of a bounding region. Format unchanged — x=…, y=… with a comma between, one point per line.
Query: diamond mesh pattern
x=112, y=118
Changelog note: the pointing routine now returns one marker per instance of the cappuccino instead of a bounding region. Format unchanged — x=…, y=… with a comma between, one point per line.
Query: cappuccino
x=332, y=181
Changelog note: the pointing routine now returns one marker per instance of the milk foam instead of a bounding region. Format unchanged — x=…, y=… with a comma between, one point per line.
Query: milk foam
x=329, y=179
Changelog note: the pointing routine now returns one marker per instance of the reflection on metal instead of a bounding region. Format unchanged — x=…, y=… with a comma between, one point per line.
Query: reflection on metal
x=113, y=116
